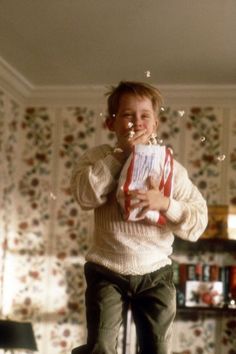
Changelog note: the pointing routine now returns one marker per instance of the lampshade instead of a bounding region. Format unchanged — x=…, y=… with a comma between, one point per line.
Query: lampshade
x=17, y=335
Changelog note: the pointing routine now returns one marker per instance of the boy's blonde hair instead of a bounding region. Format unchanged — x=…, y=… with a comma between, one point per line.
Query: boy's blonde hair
x=134, y=88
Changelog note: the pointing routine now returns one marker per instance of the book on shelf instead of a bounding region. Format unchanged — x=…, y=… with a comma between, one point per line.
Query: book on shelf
x=206, y=272
x=232, y=281
x=224, y=277
x=191, y=271
x=218, y=283
x=179, y=278
x=214, y=272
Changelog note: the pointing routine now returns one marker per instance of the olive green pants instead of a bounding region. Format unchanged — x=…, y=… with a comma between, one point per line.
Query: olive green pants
x=152, y=299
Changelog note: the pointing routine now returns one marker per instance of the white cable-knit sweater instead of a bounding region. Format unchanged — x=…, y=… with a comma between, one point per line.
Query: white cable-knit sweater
x=128, y=247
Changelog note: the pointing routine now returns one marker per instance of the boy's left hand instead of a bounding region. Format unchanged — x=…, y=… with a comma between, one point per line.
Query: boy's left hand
x=151, y=199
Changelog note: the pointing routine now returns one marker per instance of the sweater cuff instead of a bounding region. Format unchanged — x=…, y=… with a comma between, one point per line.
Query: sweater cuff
x=175, y=211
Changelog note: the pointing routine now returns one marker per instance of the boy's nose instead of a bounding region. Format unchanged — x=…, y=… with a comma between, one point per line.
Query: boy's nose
x=137, y=121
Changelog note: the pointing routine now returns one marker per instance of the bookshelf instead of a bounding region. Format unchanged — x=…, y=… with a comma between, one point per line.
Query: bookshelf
x=214, y=245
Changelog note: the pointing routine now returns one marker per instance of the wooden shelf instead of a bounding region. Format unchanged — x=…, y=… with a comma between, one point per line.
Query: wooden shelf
x=211, y=244
x=193, y=313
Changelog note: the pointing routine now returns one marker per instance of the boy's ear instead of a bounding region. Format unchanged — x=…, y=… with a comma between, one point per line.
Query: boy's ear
x=157, y=123
x=110, y=123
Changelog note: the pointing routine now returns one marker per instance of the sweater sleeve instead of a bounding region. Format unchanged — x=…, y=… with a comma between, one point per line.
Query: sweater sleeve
x=187, y=213
x=95, y=177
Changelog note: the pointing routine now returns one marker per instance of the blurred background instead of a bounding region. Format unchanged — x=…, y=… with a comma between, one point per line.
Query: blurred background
x=57, y=59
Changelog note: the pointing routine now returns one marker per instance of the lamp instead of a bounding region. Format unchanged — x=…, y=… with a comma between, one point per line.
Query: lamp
x=17, y=335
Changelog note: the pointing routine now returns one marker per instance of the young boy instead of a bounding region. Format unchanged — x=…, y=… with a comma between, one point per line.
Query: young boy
x=129, y=260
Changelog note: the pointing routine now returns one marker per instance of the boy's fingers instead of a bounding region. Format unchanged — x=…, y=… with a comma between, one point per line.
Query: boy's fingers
x=140, y=136
x=153, y=183
x=142, y=213
x=136, y=192
x=138, y=205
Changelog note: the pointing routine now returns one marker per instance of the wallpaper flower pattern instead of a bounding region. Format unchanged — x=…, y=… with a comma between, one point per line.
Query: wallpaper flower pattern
x=205, y=154
x=45, y=235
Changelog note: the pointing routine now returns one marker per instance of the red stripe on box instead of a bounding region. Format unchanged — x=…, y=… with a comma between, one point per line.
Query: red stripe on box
x=167, y=186
x=126, y=186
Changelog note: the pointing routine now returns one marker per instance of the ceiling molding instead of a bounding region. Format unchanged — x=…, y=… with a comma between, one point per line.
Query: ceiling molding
x=217, y=95
x=67, y=95
x=20, y=88
x=13, y=82
x=222, y=95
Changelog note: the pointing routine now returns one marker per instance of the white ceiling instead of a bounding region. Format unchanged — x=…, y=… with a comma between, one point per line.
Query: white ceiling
x=83, y=42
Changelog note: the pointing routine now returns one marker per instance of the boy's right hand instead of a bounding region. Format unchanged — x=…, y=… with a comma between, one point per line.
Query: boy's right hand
x=127, y=143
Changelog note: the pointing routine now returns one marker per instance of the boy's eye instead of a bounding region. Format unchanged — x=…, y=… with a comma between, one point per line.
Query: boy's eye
x=127, y=115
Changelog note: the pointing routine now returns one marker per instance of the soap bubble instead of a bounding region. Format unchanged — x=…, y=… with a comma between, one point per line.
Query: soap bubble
x=202, y=139
x=130, y=124
x=181, y=112
x=148, y=73
x=162, y=109
x=52, y=196
x=221, y=157
x=131, y=134
x=160, y=141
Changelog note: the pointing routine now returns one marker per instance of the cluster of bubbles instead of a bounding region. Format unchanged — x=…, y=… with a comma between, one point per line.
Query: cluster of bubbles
x=203, y=139
x=131, y=131
x=181, y=113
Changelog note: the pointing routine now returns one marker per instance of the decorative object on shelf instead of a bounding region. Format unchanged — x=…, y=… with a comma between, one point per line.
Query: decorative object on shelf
x=17, y=335
x=200, y=293
x=221, y=222
x=232, y=223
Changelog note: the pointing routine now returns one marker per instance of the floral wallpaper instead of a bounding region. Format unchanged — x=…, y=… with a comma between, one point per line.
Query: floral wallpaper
x=170, y=129
x=45, y=235
x=205, y=155
x=232, y=160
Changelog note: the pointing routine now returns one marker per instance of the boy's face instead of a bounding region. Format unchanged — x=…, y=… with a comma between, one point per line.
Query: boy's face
x=136, y=110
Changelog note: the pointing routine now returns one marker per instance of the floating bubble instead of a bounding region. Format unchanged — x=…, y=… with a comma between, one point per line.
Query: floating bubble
x=52, y=196
x=202, y=139
x=130, y=124
x=100, y=114
x=181, y=112
x=131, y=134
x=221, y=157
x=113, y=115
x=148, y=73
x=159, y=141
x=162, y=109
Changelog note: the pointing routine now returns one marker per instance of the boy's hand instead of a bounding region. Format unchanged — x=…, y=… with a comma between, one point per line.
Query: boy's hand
x=127, y=143
x=151, y=199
